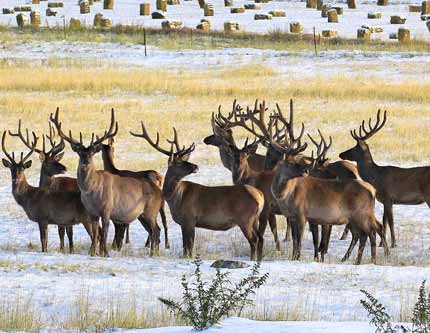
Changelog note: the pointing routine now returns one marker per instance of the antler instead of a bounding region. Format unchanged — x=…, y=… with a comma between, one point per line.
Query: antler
x=23, y=158
x=110, y=133
x=180, y=152
x=55, y=148
x=288, y=126
x=367, y=134
x=57, y=124
x=321, y=150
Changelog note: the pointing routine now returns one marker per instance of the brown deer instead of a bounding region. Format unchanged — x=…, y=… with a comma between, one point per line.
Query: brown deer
x=111, y=197
x=326, y=202
x=47, y=206
x=51, y=167
x=394, y=185
x=156, y=177
x=222, y=138
x=197, y=206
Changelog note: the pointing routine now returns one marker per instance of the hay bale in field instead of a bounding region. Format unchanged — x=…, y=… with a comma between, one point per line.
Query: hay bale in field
x=261, y=1
x=51, y=12
x=237, y=10
x=22, y=9
x=396, y=19
x=161, y=5
x=22, y=20
x=296, y=27
x=173, y=2
x=84, y=7
x=364, y=26
x=98, y=20
x=277, y=13
x=252, y=6
x=106, y=23
x=35, y=2
x=364, y=34
x=320, y=4
x=208, y=9
x=378, y=30
x=204, y=25
x=35, y=19
x=351, y=4
x=404, y=35
x=145, y=9
x=7, y=11
x=172, y=24
x=339, y=10
x=374, y=15
x=425, y=7
x=329, y=33
x=91, y=2
x=228, y=3
x=201, y=3
x=382, y=2
x=425, y=17
x=311, y=4
x=231, y=26
x=415, y=8
x=108, y=4
x=157, y=16
x=332, y=16
x=325, y=9
x=262, y=17
x=75, y=24
x=55, y=5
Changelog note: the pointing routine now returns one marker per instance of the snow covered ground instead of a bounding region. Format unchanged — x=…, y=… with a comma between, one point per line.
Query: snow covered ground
x=127, y=12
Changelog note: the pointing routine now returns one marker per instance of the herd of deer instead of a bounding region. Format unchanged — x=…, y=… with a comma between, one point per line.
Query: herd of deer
x=282, y=182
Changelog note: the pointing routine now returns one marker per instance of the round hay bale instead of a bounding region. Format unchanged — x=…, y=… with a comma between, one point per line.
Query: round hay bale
x=173, y=2
x=35, y=2
x=22, y=20
x=22, y=9
x=55, y=5
x=325, y=9
x=162, y=5
x=106, y=23
x=108, y=4
x=231, y=26
x=351, y=4
x=237, y=10
x=201, y=3
x=404, y=35
x=277, y=13
x=339, y=10
x=396, y=19
x=75, y=24
x=228, y=3
x=378, y=29
x=329, y=33
x=311, y=4
x=7, y=11
x=35, y=19
x=296, y=27
x=98, y=20
x=204, y=25
x=320, y=4
x=208, y=9
x=262, y=17
x=415, y=8
x=157, y=16
x=252, y=6
x=145, y=9
x=425, y=7
x=374, y=15
x=332, y=16
x=261, y=1
x=51, y=12
x=170, y=25
x=364, y=26
x=363, y=34
x=382, y=2
x=84, y=7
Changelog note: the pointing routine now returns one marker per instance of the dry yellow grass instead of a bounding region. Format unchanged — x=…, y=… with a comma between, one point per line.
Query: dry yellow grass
x=185, y=99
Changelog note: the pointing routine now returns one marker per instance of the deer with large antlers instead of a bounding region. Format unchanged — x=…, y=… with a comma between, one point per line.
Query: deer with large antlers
x=394, y=185
x=222, y=138
x=51, y=167
x=156, y=177
x=197, y=206
x=112, y=197
x=44, y=205
x=326, y=202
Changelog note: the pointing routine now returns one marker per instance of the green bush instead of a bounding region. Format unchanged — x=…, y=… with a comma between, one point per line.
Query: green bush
x=205, y=303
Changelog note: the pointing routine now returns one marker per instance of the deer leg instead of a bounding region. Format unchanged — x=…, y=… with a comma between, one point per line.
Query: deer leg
x=273, y=227
x=300, y=229
x=354, y=241
x=188, y=238
x=92, y=230
x=315, y=238
x=43, y=230
x=325, y=240
x=115, y=237
x=363, y=239
x=155, y=238
x=294, y=237
x=263, y=219
x=288, y=232
x=165, y=227
x=146, y=224
x=372, y=237
x=384, y=222
x=345, y=233
x=61, y=232
x=252, y=238
x=121, y=228
x=69, y=231
x=391, y=224
x=260, y=240
x=380, y=231
x=105, y=232
x=127, y=234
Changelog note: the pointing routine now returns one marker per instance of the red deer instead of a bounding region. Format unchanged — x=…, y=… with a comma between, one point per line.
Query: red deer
x=197, y=206
x=156, y=177
x=111, y=197
x=326, y=202
x=394, y=185
x=47, y=206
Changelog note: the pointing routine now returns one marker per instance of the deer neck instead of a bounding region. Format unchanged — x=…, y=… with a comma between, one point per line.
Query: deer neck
x=108, y=163
x=172, y=187
x=226, y=157
x=243, y=174
x=21, y=191
x=279, y=183
x=87, y=177
x=367, y=168
x=44, y=180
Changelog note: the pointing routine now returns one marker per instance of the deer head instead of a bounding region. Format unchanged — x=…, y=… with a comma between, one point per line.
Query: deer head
x=361, y=148
x=85, y=153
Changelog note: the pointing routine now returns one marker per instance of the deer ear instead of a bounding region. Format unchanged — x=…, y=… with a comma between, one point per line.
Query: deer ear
x=111, y=141
x=42, y=157
x=27, y=164
x=97, y=148
x=6, y=163
x=59, y=156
